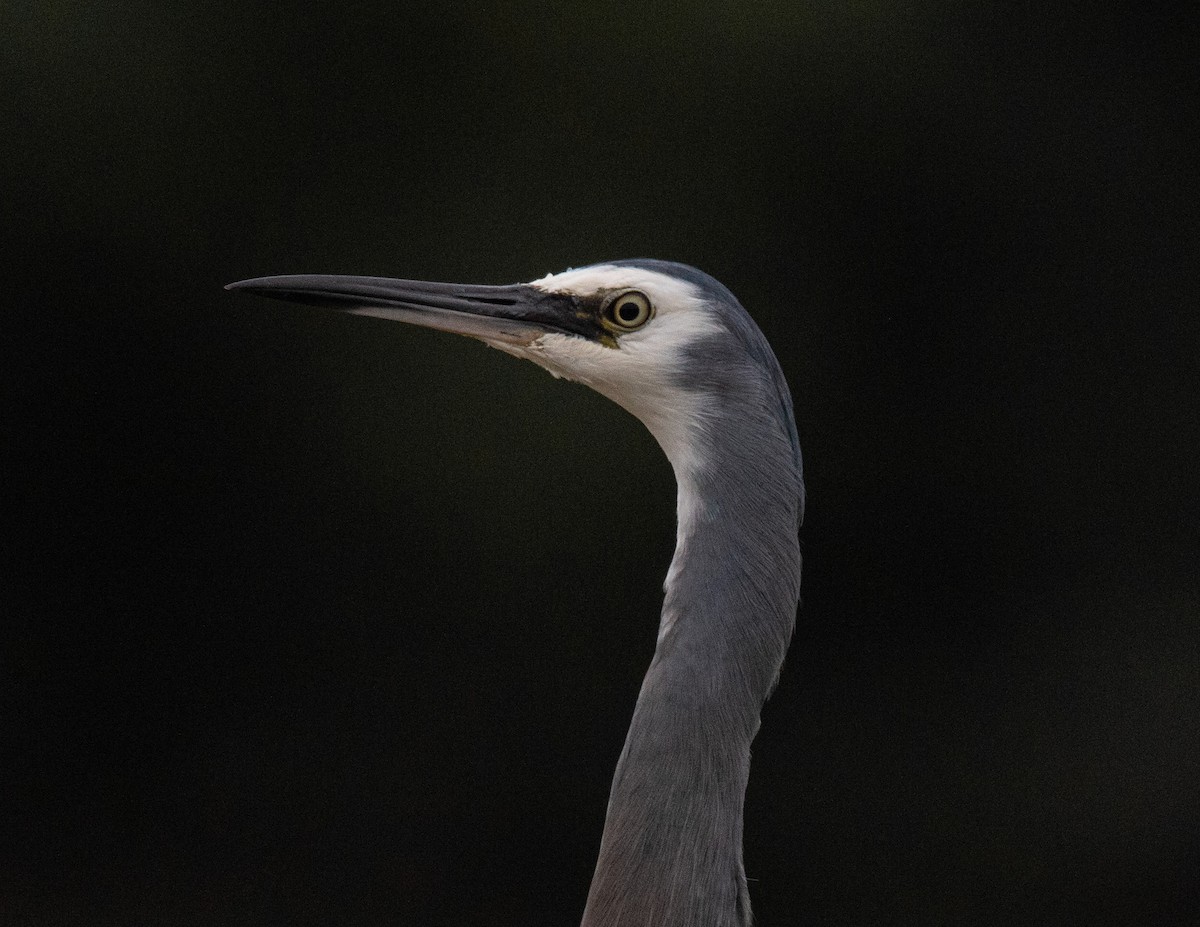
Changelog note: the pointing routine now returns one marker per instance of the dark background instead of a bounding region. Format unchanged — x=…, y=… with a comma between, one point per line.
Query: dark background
x=314, y=619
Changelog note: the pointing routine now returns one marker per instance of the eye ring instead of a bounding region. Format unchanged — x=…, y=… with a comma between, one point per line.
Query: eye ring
x=629, y=310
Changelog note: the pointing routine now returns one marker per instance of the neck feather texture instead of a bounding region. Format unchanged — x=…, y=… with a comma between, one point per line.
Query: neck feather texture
x=671, y=854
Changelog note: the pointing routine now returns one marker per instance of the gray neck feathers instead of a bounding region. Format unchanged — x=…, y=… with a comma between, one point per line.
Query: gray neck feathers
x=671, y=854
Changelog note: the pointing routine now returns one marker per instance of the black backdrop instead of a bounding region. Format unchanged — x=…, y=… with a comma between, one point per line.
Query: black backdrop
x=315, y=619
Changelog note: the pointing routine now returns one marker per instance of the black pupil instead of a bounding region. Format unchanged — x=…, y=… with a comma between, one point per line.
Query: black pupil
x=628, y=312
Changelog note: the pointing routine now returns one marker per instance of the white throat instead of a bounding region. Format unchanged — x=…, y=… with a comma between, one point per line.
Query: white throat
x=642, y=373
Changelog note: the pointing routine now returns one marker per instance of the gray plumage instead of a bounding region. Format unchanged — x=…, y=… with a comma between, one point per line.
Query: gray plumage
x=672, y=847
x=700, y=373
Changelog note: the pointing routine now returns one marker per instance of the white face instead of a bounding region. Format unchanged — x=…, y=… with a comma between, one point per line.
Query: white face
x=638, y=372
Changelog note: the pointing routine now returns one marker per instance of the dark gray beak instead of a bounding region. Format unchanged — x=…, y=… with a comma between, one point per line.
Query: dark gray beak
x=515, y=314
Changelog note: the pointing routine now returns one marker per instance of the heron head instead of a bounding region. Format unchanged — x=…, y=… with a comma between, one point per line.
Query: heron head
x=663, y=340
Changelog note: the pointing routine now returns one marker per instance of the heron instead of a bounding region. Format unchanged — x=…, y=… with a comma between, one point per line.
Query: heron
x=675, y=348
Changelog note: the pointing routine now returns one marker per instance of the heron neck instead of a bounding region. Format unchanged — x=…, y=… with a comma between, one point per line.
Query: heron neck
x=671, y=854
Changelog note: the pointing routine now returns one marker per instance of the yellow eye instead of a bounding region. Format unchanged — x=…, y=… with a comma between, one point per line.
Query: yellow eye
x=629, y=310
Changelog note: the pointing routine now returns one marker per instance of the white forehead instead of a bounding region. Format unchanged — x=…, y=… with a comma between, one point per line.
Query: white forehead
x=666, y=291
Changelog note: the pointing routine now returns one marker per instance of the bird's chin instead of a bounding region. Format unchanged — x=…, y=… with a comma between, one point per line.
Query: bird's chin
x=539, y=349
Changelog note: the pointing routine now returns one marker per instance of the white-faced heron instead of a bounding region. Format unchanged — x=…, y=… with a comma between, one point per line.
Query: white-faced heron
x=675, y=348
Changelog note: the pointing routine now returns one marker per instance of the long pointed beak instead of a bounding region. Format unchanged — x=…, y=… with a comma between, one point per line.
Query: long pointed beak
x=515, y=314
